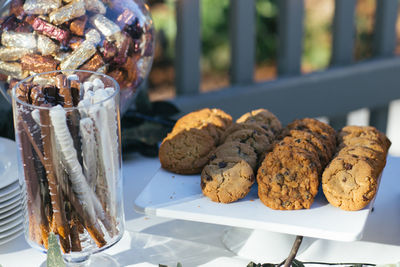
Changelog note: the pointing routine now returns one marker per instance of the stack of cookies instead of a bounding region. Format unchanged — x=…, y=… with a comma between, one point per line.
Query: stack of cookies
x=230, y=174
x=194, y=137
x=350, y=181
x=289, y=176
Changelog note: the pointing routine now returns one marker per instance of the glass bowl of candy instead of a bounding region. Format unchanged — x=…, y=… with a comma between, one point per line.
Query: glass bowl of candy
x=114, y=37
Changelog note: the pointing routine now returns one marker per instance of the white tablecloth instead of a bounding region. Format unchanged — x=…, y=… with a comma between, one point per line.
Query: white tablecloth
x=149, y=241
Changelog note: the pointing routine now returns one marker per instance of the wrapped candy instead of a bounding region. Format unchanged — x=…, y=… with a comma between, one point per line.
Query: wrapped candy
x=85, y=51
x=46, y=46
x=40, y=7
x=13, y=53
x=50, y=30
x=18, y=39
x=13, y=69
x=104, y=25
x=73, y=10
x=95, y=6
x=89, y=34
x=38, y=63
x=77, y=26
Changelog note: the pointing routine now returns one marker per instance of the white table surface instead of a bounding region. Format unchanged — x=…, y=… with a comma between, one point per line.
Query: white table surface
x=149, y=241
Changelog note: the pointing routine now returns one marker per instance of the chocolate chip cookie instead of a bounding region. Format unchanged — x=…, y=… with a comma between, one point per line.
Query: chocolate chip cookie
x=288, y=180
x=262, y=117
x=350, y=182
x=227, y=179
x=367, y=132
x=259, y=142
x=214, y=121
x=323, y=151
x=250, y=126
x=186, y=151
x=236, y=149
x=292, y=143
x=322, y=130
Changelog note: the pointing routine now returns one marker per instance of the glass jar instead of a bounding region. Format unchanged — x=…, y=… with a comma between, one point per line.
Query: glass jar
x=68, y=138
x=114, y=37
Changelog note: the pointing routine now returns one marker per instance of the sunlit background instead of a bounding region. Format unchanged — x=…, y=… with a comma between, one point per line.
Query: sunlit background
x=215, y=40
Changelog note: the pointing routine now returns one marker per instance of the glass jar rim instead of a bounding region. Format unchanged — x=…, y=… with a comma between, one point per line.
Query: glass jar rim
x=116, y=90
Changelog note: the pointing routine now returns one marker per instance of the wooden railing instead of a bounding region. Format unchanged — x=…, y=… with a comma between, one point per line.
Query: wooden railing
x=344, y=87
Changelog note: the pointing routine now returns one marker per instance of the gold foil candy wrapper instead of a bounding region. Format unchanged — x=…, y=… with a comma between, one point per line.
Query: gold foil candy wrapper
x=19, y=39
x=104, y=25
x=73, y=10
x=40, y=7
x=13, y=53
x=95, y=6
x=44, y=80
x=13, y=69
x=93, y=36
x=61, y=56
x=85, y=51
x=46, y=46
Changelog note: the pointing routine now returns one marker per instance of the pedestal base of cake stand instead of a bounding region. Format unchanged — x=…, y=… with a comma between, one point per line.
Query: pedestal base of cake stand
x=261, y=246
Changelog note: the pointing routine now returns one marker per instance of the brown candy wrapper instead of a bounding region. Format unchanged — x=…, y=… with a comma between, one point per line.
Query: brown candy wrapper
x=77, y=26
x=38, y=63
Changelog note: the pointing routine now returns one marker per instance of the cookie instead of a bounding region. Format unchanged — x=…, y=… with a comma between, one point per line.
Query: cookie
x=287, y=180
x=323, y=151
x=227, y=179
x=377, y=158
x=367, y=132
x=186, y=151
x=251, y=126
x=214, y=121
x=262, y=117
x=293, y=143
x=350, y=182
x=322, y=130
x=371, y=144
x=259, y=142
x=236, y=149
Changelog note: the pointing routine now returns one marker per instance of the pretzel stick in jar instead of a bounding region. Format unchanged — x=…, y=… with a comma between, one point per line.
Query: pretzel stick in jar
x=60, y=224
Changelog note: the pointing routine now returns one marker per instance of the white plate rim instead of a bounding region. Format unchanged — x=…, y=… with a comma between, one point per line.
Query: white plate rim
x=10, y=218
x=12, y=231
x=10, y=211
x=8, y=154
x=7, y=189
x=4, y=205
x=13, y=194
x=12, y=224
x=9, y=238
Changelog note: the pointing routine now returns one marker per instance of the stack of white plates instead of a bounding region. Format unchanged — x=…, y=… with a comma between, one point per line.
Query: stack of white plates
x=11, y=219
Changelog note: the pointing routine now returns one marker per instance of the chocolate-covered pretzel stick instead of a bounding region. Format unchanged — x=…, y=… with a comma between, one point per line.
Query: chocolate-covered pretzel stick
x=59, y=219
x=70, y=159
x=89, y=151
